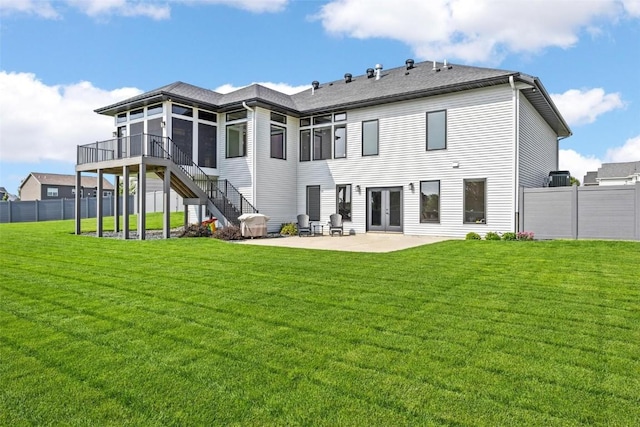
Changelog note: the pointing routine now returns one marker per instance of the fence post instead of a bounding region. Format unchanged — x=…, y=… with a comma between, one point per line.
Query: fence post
x=637, y=210
x=62, y=209
x=10, y=208
x=574, y=211
x=37, y=206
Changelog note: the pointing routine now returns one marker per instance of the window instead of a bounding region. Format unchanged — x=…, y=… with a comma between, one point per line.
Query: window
x=136, y=131
x=52, y=191
x=437, y=130
x=182, y=111
x=182, y=135
x=313, y=202
x=322, y=143
x=339, y=117
x=154, y=109
x=136, y=114
x=276, y=117
x=106, y=194
x=430, y=201
x=207, y=146
x=305, y=145
x=475, y=201
x=339, y=142
x=236, y=115
x=370, y=138
x=321, y=120
x=206, y=115
x=305, y=121
x=237, y=140
x=278, y=142
x=343, y=201
x=122, y=117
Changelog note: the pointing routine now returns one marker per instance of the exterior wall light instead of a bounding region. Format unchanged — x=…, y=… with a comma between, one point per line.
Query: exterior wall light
x=358, y=188
x=411, y=187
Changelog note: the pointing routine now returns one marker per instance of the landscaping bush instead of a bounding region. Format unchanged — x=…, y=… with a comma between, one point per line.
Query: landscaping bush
x=231, y=232
x=509, y=236
x=472, y=236
x=289, y=229
x=525, y=235
x=196, y=230
x=492, y=235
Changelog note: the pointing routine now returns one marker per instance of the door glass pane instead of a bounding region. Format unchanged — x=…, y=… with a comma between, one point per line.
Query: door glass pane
x=376, y=208
x=395, y=217
x=136, y=138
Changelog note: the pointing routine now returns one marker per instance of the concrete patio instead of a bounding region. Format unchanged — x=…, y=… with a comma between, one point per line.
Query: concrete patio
x=369, y=242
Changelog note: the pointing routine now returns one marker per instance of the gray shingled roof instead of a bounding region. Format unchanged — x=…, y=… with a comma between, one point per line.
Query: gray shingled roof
x=395, y=84
x=590, y=178
x=57, y=179
x=618, y=170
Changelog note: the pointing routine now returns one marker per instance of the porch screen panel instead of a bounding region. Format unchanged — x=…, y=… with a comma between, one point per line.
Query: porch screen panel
x=313, y=202
x=207, y=146
x=154, y=129
x=183, y=138
x=136, y=130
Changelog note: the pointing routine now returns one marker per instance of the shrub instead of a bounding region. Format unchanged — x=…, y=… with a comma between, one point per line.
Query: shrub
x=525, y=235
x=231, y=232
x=196, y=230
x=492, y=235
x=472, y=236
x=289, y=229
x=509, y=236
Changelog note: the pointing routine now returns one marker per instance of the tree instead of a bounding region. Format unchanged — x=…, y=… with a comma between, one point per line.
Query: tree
x=574, y=181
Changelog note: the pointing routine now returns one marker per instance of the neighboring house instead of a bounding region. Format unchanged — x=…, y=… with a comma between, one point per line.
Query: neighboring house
x=5, y=195
x=627, y=173
x=47, y=186
x=424, y=149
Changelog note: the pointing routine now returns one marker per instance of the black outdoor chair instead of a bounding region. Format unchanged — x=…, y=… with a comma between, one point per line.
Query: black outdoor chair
x=335, y=224
x=304, y=226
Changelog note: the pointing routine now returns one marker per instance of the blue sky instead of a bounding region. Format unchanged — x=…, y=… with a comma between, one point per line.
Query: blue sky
x=59, y=60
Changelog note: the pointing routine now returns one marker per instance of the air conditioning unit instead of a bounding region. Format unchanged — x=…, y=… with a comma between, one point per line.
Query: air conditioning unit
x=559, y=179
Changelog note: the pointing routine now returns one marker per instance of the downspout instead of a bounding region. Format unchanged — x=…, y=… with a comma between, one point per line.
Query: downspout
x=254, y=154
x=516, y=163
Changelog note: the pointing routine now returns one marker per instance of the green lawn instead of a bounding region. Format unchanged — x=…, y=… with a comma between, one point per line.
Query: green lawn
x=202, y=332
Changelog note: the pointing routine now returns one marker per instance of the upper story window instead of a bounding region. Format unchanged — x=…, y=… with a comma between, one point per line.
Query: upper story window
x=370, y=138
x=278, y=142
x=430, y=201
x=136, y=114
x=437, y=130
x=236, y=115
x=52, y=191
x=154, y=109
x=207, y=116
x=278, y=118
x=325, y=136
x=237, y=140
x=122, y=117
x=182, y=111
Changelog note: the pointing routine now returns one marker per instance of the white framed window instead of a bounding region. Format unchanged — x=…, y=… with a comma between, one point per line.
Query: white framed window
x=370, y=138
x=52, y=191
x=437, y=130
x=278, y=142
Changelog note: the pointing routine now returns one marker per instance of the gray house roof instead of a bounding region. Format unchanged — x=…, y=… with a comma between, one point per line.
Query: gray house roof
x=590, y=178
x=619, y=170
x=395, y=84
x=67, y=180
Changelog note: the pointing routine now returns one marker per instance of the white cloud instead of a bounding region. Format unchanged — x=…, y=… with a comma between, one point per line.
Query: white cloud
x=32, y=7
x=629, y=152
x=632, y=7
x=471, y=30
x=41, y=122
x=579, y=164
x=157, y=10
x=584, y=106
x=280, y=87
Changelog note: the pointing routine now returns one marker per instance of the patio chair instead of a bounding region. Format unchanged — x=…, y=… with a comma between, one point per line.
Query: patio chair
x=335, y=224
x=304, y=226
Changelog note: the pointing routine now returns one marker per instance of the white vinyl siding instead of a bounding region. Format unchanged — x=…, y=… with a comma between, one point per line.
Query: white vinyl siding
x=480, y=139
x=538, y=147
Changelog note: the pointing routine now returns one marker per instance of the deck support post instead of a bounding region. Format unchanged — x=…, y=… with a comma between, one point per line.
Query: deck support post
x=77, y=206
x=142, y=198
x=99, y=202
x=116, y=205
x=125, y=202
x=166, y=216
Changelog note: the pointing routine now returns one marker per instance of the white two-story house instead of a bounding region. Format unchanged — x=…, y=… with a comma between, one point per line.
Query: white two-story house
x=424, y=149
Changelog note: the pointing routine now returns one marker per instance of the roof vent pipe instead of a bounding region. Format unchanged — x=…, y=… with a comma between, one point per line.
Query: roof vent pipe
x=370, y=72
x=409, y=63
x=378, y=71
x=347, y=78
x=314, y=85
